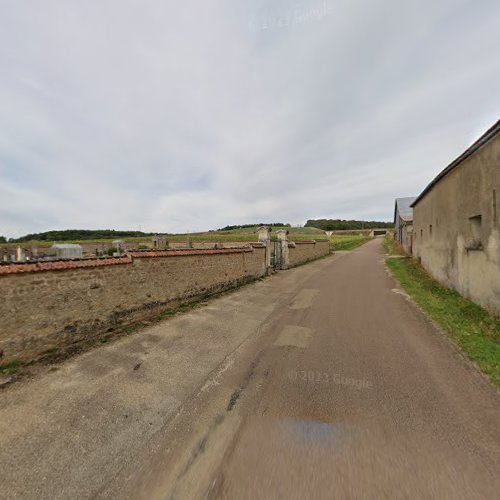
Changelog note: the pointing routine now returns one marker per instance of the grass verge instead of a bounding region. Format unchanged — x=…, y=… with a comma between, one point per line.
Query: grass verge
x=475, y=331
x=391, y=247
x=347, y=242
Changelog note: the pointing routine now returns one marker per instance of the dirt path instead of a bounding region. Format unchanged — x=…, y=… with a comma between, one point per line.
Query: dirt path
x=320, y=382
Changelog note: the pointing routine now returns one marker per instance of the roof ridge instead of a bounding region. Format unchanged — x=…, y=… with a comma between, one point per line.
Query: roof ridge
x=485, y=138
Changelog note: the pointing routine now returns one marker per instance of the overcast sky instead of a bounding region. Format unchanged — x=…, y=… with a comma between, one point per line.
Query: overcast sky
x=190, y=115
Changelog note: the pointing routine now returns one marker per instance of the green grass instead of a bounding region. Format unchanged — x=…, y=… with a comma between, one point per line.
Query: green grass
x=391, y=247
x=10, y=368
x=291, y=230
x=50, y=350
x=475, y=331
x=347, y=241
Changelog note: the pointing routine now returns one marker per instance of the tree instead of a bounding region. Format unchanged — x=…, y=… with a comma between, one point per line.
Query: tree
x=81, y=234
x=3, y=239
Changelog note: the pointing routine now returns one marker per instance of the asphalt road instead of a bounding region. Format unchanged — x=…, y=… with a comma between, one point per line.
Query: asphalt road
x=320, y=382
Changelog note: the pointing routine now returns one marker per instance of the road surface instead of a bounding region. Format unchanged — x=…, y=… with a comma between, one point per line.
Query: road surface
x=323, y=381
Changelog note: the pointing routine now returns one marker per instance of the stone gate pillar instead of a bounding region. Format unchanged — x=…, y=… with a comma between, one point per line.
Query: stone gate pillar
x=283, y=239
x=264, y=235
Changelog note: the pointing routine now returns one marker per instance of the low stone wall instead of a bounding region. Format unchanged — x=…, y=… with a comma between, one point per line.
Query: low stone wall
x=207, y=244
x=304, y=251
x=52, y=304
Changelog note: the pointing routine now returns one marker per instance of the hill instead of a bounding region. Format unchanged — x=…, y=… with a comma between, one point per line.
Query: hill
x=79, y=234
x=339, y=224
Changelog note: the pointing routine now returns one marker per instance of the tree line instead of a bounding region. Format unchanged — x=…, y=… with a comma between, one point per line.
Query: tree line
x=243, y=226
x=77, y=234
x=340, y=224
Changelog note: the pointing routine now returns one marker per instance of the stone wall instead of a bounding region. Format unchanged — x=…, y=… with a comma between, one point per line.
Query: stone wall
x=53, y=304
x=304, y=251
x=207, y=244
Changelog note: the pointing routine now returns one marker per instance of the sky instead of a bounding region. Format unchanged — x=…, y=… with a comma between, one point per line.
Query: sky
x=185, y=116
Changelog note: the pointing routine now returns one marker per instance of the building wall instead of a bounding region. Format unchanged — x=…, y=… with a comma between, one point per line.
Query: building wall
x=42, y=308
x=397, y=227
x=304, y=252
x=403, y=231
x=405, y=236
x=408, y=238
x=448, y=231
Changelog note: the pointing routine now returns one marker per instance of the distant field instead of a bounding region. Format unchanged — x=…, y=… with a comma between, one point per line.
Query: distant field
x=291, y=230
x=244, y=234
x=357, y=232
x=347, y=241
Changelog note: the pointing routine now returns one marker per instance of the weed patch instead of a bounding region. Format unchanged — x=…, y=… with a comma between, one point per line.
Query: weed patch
x=10, y=368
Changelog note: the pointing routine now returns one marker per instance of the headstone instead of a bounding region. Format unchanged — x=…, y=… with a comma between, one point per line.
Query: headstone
x=20, y=256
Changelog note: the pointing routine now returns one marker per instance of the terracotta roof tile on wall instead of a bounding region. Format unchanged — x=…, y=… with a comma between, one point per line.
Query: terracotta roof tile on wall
x=33, y=267
x=187, y=252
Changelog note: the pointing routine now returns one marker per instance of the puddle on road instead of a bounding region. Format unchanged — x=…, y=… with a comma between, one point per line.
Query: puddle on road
x=312, y=433
x=298, y=436
x=288, y=457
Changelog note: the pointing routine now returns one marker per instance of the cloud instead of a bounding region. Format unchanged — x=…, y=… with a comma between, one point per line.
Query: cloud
x=174, y=116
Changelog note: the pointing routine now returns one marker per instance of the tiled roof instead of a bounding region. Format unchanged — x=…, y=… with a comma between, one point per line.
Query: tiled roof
x=58, y=265
x=186, y=252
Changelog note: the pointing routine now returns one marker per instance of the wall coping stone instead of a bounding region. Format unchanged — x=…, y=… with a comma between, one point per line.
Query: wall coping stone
x=60, y=265
x=182, y=252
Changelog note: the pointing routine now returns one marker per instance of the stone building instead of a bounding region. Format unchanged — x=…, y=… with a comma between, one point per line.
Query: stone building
x=403, y=223
x=456, y=223
x=159, y=242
